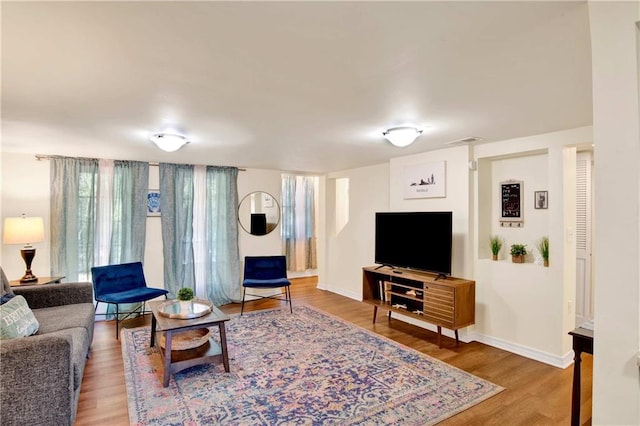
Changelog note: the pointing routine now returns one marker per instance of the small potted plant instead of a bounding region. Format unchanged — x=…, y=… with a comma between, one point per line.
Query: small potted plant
x=543, y=248
x=518, y=252
x=185, y=297
x=496, y=245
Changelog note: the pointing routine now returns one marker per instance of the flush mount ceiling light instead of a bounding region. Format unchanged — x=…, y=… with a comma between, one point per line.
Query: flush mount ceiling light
x=168, y=142
x=402, y=136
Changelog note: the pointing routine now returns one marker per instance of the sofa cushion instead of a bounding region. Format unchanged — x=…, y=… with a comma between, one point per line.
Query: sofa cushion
x=16, y=319
x=55, y=318
x=80, y=344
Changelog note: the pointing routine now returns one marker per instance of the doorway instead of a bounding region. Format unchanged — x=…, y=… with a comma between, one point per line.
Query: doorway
x=584, y=232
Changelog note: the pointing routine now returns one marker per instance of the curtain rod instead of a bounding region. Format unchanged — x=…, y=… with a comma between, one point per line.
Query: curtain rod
x=41, y=157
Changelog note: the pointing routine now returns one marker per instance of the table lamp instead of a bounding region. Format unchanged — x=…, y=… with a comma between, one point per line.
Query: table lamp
x=24, y=230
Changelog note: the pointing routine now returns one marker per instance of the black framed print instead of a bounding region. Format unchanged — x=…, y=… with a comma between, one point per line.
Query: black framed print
x=541, y=199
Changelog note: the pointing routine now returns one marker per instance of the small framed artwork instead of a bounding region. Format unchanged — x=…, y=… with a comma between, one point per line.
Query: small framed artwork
x=425, y=180
x=541, y=199
x=153, y=202
x=267, y=200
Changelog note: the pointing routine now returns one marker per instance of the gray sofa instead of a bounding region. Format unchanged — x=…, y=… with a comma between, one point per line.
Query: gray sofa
x=40, y=375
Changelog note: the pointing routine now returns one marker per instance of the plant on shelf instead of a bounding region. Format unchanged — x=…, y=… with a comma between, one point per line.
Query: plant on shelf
x=518, y=252
x=543, y=248
x=496, y=245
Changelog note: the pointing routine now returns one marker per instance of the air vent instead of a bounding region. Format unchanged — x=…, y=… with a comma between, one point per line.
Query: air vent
x=467, y=140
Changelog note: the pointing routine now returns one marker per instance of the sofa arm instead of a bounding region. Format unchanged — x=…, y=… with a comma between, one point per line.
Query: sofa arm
x=36, y=380
x=45, y=296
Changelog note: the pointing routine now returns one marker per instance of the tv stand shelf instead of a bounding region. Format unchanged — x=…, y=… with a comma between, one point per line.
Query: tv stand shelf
x=447, y=302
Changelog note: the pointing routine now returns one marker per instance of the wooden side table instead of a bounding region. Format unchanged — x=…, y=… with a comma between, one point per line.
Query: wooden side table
x=582, y=342
x=41, y=281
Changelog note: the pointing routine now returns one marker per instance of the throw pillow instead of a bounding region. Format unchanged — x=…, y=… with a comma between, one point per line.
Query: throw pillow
x=16, y=319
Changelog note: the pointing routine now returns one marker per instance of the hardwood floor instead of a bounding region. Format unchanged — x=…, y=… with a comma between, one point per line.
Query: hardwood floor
x=535, y=394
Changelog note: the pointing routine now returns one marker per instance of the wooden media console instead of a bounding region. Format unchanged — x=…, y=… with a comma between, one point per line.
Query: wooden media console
x=447, y=302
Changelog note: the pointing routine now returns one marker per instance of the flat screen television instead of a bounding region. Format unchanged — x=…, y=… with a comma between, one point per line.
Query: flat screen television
x=414, y=240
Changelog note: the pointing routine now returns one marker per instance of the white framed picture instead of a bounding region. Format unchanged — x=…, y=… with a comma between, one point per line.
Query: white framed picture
x=153, y=202
x=425, y=180
x=267, y=200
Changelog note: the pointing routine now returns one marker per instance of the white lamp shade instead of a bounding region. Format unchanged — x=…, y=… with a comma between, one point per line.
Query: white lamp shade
x=23, y=230
x=402, y=136
x=168, y=142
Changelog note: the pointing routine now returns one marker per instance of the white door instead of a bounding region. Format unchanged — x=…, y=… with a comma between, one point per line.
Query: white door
x=584, y=217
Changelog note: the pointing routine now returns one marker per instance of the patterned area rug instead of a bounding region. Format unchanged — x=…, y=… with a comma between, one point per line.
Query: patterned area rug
x=307, y=368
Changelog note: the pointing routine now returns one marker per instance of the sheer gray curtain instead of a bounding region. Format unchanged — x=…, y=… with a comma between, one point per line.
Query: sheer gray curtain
x=298, y=222
x=222, y=265
x=74, y=184
x=176, y=204
x=129, y=211
x=128, y=218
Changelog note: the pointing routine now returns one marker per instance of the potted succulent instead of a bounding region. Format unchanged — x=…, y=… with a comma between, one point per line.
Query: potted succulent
x=518, y=252
x=185, y=297
x=543, y=248
x=496, y=245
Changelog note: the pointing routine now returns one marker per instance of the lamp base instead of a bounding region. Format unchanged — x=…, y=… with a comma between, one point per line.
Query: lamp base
x=28, y=278
x=28, y=254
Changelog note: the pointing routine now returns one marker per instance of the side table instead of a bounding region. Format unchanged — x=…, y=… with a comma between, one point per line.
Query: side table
x=41, y=281
x=582, y=342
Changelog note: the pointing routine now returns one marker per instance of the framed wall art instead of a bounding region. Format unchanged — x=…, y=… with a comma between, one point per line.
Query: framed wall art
x=541, y=199
x=511, y=209
x=153, y=202
x=425, y=180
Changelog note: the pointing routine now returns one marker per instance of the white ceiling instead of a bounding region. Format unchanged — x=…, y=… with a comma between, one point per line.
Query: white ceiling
x=297, y=86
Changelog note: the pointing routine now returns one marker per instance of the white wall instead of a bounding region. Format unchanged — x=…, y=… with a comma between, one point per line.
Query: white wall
x=25, y=189
x=348, y=251
x=269, y=181
x=456, y=200
x=614, y=40
x=525, y=308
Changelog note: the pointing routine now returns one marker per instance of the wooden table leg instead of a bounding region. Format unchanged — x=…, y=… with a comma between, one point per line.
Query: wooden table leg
x=167, y=359
x=575, y=391
x=375, y=312
x=223, y=345
x=153, y=331
x=457, y=340
x=439, y=336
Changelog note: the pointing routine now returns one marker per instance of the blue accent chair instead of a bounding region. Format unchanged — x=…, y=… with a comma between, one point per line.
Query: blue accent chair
x=123, y=283
x=266, y=272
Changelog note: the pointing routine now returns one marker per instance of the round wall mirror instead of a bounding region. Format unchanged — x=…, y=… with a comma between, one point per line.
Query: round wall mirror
x=259, y=213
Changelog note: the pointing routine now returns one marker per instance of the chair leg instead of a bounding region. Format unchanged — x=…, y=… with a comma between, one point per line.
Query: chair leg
x=244, y=291
x=117, y=322
x=288, y=295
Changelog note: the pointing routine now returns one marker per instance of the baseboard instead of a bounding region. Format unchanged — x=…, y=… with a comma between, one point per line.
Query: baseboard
x=463, y=335
x=535, y=354
x=341, y=292
x=470, y=336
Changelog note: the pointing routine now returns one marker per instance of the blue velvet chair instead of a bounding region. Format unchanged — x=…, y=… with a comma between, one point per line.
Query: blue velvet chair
x=122, y=283
x=266, y=272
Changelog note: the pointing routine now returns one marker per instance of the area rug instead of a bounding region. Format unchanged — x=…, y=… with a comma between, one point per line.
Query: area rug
x=305, y=368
